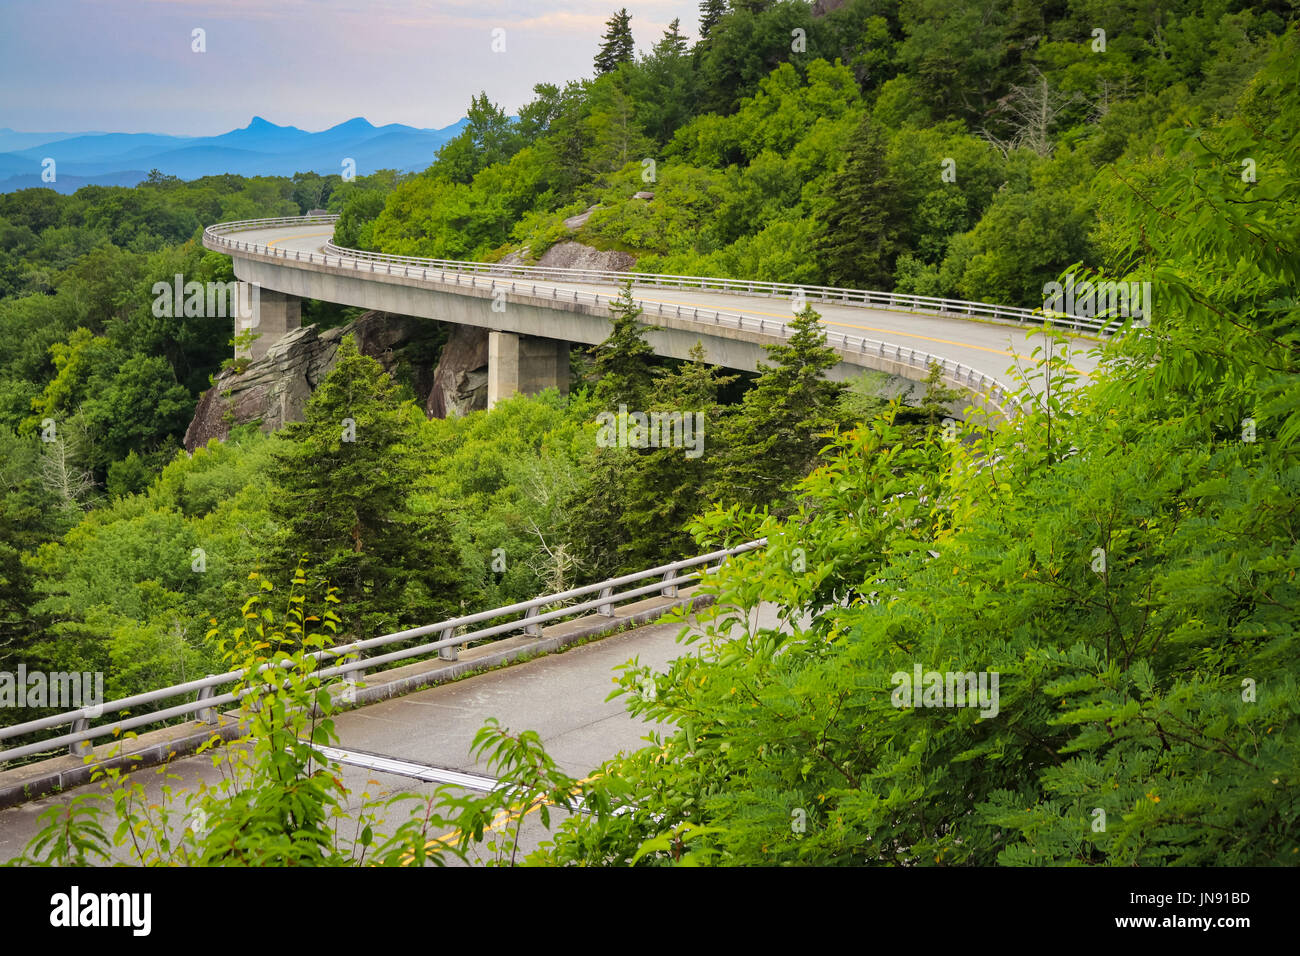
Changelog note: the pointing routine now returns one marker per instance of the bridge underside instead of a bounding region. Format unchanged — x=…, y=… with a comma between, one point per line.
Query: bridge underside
x=530, y=333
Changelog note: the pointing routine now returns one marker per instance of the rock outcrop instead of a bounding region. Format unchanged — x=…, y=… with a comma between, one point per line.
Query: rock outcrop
x=575, y=255
x=460, y=380
x=274, y=389
x=574, y=223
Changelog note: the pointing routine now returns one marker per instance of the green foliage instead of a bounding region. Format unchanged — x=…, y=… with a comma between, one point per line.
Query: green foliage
x=711, y=12
x=633, y=504
x=856, y=238
x=345, y=481
x=772, y=439
x=622, y=361
x=486, y=139
x=503, y=477
x=616, y=45
x=1122, y=558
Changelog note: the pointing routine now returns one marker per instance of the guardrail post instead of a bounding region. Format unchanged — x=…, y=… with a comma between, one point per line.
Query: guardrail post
x=532, y=630
x=669, y=590
x=452, y=651
x=81, y=747
x=352, y=680
x=207, y=715
x=606, y=609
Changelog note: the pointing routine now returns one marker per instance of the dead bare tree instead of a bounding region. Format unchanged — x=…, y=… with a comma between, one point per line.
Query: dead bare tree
x=1031, y=110
x=62, y=473
x=554, y=565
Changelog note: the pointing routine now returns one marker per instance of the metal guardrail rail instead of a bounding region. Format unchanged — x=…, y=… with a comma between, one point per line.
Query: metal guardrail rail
x=529, y=618
x=889, y=301
x=529, y=614
x=450, y=271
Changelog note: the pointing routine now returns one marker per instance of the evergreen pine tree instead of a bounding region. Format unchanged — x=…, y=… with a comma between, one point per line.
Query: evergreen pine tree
x=616, y=44
x=670, y=485
x=711, y=11
x=857, y=238
x=345, y=481
x=673, y=43
x=633, y=505
x=773, y=439
x=938, y=403
x=622, y=361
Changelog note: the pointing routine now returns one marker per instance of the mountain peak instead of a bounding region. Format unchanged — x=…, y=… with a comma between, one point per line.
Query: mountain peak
x=258, y=122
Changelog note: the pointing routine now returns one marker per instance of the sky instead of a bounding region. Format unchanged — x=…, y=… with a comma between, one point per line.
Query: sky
x=130, y=65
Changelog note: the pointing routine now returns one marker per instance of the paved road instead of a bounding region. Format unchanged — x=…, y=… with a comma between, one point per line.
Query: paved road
x=561, y=696
x=987, y=347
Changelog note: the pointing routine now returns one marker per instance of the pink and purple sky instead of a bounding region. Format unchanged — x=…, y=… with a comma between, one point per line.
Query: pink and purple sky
x=127, y=65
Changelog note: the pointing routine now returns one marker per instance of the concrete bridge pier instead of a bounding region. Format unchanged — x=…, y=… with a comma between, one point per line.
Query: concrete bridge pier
x=524, y=364
x=273, y=314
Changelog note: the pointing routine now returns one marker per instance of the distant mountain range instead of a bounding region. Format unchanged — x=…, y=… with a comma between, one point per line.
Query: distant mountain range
x=259, y=149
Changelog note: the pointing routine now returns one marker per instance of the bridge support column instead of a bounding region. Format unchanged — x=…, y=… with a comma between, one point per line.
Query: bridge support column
x=523, y=365
x=274, y=313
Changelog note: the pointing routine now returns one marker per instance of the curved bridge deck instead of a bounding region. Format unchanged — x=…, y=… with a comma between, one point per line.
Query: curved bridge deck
x=293, y=258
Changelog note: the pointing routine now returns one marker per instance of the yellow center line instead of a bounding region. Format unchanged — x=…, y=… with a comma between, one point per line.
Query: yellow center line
x=846, y=325
x=310, y=235
x=865, y=328
x=505, y=816
x=775, y=315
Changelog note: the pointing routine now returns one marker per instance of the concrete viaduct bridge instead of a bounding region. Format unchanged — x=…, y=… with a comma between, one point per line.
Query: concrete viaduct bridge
x=397, y=691
x=534, y=314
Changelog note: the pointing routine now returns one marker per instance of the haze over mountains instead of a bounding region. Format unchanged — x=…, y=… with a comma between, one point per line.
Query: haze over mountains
x=259, y=149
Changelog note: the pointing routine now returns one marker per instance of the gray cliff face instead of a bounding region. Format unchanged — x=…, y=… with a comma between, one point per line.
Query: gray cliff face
x=570, y=254
x=575, y=255
x=275, y=389
x=461, y=378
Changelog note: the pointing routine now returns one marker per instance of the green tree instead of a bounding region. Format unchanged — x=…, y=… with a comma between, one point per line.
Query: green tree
x=1023, y=240
x=856, y=242
x=28, y=517
x=621, y=363
x=345, y=478
x=489, y=137
x=616, y=44
x=633, y=504
x=774, y=437
x=711, y=12
x=673, y=43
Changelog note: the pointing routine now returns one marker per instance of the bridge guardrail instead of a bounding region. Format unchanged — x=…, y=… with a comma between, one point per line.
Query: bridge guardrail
x=889, y=301
x=529, y=615
x=439, y=270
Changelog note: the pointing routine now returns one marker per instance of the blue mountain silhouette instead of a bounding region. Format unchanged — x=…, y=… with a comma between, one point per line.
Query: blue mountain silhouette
x=261, y=148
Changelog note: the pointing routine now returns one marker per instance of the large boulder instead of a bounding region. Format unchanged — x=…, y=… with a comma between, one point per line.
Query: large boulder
x=274, y=389
x=460, y=380
x=575, y=255
x=574, y=223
